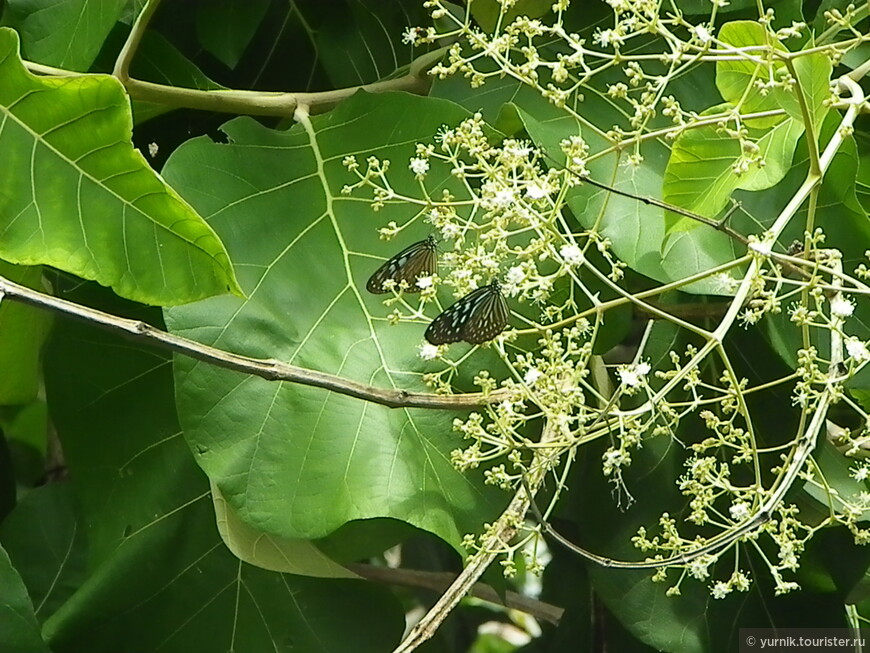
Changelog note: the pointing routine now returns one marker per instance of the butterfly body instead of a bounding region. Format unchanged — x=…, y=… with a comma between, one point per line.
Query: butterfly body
x=476, y=318
x=409, y=265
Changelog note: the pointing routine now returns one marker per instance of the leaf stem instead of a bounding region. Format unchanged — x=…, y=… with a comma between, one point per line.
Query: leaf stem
x=125, y=57
x=257, y=103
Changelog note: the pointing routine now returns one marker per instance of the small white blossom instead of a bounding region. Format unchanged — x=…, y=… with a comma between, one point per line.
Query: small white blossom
x=860, y=472
x=532, y=375
x=703, y=34
x=152, y=149
x=614, y=459
x=428, y=352
x=419, y=166
x=517, y=149
x=857, y=350
x=515, y=275
x=760, y=248
x=571, y=254
x=842, y=307
x=725, y=282
x=699, y=567
x=720, y=590
x=504, y=197
x=450, y=230
x=536, y=191
x=739, y=511
x=632, y=375
x=783, y=587
x=424, y=282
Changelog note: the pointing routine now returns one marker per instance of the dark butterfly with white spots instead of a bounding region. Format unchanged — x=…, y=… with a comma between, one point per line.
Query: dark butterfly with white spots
x=417, y=260
x=479, y=316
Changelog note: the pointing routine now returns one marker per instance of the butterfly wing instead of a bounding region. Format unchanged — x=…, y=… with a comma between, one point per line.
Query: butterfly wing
x=417, y=260
x=479, y=316
x=489, y=318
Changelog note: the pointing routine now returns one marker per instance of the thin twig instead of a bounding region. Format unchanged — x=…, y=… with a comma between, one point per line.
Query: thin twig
x=438, y=581
x=499, y=534
x=718, y=225
x=269, y=369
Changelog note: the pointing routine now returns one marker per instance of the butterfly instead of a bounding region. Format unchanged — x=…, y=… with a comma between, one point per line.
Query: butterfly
x=413, y=262
x=479, y=316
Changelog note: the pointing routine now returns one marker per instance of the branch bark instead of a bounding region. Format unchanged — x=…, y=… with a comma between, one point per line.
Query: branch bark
x=269, y=369
x=438, y=581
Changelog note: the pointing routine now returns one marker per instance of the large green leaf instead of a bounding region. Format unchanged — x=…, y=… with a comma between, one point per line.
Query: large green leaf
x=76, y=195
x=226, y=27
x=47, y=545
x=22, y=332
x=700, y=174
x=296, y=461
x=300, y=557
x=160, y=578
x=367, y=44
x=813, y=73
x=20, y=631
x=737, y=78
x=66, y=34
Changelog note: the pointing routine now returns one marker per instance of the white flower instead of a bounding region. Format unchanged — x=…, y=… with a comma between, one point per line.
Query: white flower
x=725, y=282
x=504, y=197
x=424, y=282
x=783, y=587
x=517, y=149
x=606, y=37
x=419, y=166
x=614, y=459
x=699, y=567
x=857, y=350
x=532, y=375
x=410, y=35
x=571, y=254
x=860, y=472
x=152, y=149
x=515, y=275
x=761, y=248
x=842, y=307
x=536, y=191
x=720, y=590
x=428, y=352
x=739, y=511
x=632, y=375
x=629, y=377
x=702, y=33
x=450, y=230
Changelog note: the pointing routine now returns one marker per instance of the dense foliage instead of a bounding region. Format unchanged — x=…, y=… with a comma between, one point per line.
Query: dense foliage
x=258, y=388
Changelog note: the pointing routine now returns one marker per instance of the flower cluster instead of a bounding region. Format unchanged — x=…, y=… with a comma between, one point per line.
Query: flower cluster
x=503, y=210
